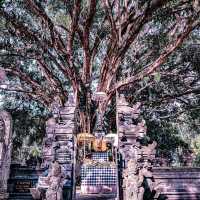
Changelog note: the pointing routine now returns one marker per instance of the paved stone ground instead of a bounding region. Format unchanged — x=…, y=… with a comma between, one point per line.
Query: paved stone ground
x=95, y=197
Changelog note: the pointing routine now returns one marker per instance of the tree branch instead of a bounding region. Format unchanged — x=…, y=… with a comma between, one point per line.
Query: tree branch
x=161, y=59
x=195, y=91
x=36, y=88
x=31, y=95
x=36, y=8
x=53, y=80
x=73, y=27
x=127, y=31
x=86, y=47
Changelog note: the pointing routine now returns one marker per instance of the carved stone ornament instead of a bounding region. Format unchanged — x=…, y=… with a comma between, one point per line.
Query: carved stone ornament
x=2, y=129
x=133, y=180
x=53, y=182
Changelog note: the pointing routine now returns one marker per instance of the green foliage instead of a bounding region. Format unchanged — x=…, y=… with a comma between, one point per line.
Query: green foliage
x=28, y=133
x=157, y=77
x=146, y=80
x=167, y=137
x=35, y=151
x=1, y=2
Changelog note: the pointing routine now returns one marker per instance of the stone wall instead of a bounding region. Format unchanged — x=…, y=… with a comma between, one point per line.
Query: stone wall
x=178, y=183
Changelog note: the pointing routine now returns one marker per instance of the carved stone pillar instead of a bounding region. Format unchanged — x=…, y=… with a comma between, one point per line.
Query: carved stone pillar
x=59, y=143
x=136, y=156
x=5, y=151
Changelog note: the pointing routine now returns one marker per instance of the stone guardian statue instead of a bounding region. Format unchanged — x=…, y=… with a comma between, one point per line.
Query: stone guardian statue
x=55, y=181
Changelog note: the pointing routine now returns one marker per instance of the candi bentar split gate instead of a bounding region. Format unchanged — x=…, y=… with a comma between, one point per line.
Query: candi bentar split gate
x=85, y=166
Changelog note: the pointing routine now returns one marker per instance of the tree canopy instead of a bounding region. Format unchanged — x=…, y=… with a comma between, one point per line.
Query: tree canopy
x=50, y=48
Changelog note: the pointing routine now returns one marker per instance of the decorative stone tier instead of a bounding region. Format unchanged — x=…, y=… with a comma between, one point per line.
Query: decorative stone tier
x=178, y=183
x=58, y=142
x=130, y=129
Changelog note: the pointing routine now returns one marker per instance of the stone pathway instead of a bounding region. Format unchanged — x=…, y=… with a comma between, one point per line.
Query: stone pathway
x=96, y=197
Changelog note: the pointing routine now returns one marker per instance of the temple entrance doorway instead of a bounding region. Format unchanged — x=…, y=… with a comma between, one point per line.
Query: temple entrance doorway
x=96, y=168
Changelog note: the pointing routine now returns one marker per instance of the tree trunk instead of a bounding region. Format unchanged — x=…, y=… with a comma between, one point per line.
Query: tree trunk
x=86, y=110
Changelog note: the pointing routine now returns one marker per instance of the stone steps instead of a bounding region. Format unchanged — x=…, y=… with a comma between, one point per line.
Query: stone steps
x=17, y=196
x=178, y=183
x=21, y=179
x=185, y=196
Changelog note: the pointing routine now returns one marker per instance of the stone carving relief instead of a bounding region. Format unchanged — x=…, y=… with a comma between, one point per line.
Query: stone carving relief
x=47, y=151
x=57, y=154
x=55, y=107
x=132, y=184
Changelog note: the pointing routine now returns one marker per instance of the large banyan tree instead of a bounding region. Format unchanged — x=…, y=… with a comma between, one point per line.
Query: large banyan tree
x=91, y=45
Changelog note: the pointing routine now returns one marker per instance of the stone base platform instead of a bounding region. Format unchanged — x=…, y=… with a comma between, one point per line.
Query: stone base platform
x=178, y=183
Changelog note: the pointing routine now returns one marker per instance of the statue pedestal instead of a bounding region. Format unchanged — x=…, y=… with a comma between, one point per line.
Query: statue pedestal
x=4, y=196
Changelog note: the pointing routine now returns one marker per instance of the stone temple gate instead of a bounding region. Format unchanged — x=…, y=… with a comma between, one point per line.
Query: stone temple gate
x=138, y=178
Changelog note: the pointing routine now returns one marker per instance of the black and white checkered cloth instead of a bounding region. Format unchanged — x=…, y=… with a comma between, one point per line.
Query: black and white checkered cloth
x=100, y=156
x=98, y=175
